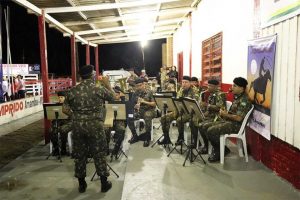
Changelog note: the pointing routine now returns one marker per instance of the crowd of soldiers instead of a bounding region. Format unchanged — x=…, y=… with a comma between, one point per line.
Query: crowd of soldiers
x=85, y=104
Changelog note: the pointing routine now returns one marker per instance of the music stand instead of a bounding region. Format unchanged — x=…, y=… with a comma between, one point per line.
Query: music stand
x=53, y=111
x=117, y=111
x=194, y=110
x=165, y=104
x=181, y=110
x=167, y=93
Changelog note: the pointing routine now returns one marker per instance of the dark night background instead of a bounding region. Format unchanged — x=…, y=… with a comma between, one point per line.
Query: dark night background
x=24, y=45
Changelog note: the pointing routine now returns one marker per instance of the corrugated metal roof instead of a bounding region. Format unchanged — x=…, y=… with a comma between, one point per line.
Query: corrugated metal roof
x=113, y=21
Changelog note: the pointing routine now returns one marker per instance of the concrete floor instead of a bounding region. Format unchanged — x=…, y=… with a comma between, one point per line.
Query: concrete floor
x=147, y=174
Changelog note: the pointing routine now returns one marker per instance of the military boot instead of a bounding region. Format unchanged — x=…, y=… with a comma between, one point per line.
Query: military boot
x=105, y=184
x=82, y=185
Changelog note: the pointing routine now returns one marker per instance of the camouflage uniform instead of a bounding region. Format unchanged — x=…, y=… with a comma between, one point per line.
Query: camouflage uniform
x=145, y=112
x=169, y=117
x=87, y=104
x=240, y=106
x=217, y=98
x=64, y=127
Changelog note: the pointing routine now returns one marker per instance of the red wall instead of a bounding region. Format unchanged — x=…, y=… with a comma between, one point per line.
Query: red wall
x=279, y=156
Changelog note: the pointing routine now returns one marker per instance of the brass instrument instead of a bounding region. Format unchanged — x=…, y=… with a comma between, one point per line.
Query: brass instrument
x=123, y=84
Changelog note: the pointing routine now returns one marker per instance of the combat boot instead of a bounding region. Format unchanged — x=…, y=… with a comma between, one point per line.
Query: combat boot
x=133, y=139
x=82, y=185
x=105, y=184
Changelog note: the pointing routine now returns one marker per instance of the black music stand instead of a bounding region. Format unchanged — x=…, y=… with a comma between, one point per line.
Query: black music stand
x=117, y=111
x=165, y=104
x=167, y=93
x=181, y=110
x=194, y=110
x=53, y=111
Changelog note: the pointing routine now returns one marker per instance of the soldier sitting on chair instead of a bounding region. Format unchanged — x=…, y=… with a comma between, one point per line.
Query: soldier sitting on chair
x=144, y=109
x=185, y=91
x=215, y=101
x=231, y=121
x=64, y=127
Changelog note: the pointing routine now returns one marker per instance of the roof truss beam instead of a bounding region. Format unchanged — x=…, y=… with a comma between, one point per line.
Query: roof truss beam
x=106, y=6
x=129, y=16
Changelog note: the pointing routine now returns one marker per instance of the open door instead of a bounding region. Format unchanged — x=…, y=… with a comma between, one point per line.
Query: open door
x=180, y=65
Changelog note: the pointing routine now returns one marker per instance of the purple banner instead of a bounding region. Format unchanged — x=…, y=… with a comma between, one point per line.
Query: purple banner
x=1, y=70
x=261, y=59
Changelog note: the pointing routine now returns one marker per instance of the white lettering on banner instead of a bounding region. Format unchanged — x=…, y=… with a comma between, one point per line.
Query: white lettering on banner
x=20, y=108
x=11, y=108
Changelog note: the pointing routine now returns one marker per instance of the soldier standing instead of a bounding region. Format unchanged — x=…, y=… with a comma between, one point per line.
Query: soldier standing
x=85, y=102
x=232, y=120
x=144, y=109
x=185, y=91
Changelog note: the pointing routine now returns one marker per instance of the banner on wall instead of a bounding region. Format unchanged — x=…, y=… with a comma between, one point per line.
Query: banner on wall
x=274, y=11
x=260, y=70
x=1, y=70
x=15, y=69
x=1, y=80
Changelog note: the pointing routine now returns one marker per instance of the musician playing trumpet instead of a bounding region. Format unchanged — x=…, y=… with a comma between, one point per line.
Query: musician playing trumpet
x=215, y=101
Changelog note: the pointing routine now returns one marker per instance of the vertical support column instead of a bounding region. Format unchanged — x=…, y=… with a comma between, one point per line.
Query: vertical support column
x=97, y=60
x=73, y=59
x=191, y=43
x=44, y=69
x=87, y=54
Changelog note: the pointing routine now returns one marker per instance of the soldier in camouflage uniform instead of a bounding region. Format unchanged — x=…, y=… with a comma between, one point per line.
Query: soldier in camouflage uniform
x=185, y=91
x=232, y=119
x=64, y=127
x=85, y=102
x=144, y=109
x=195, y=83
x=215, y=101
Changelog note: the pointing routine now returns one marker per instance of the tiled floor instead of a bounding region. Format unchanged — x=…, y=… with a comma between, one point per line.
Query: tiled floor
x=147, y=174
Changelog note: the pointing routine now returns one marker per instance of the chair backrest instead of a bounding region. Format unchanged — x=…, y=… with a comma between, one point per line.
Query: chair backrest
x=228, y=105
x=245, y=121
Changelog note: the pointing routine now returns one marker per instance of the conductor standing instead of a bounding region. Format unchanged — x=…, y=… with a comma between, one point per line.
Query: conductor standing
x=85, y=103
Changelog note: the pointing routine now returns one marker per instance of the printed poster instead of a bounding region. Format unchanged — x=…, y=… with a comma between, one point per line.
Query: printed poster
x=260, y=70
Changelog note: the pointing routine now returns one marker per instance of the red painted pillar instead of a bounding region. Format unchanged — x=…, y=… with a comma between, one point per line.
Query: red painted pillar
x=96, y=61
x=44, y=68
x=87, y=54
x=191, y=42
x=73, y=59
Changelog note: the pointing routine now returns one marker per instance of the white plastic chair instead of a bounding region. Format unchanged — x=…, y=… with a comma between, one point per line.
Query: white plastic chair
x=137, y=126
x=228, y=105
x=240, y=135
x=70, y=143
